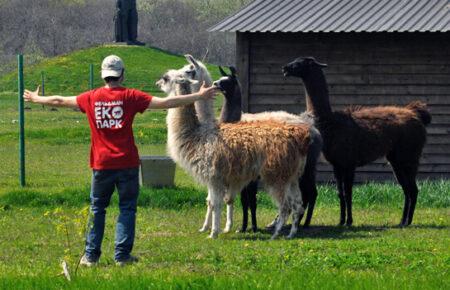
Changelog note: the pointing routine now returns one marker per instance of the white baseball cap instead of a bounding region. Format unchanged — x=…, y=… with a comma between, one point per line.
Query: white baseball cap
x=112, y=66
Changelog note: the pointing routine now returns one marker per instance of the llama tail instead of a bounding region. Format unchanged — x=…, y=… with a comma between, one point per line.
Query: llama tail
x=421, y=110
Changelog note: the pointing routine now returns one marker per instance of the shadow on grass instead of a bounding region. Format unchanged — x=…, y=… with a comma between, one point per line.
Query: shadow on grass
x=422, y=226
x=319, y=232
x=333, y=232
x=341, y=232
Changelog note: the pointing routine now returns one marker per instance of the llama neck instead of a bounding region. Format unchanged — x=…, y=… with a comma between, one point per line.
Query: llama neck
x=182, y=128
x=309, y=105
x=317, y=98
x=204, y=108
x=205, y=111
x=182, y=121
x=231, y=110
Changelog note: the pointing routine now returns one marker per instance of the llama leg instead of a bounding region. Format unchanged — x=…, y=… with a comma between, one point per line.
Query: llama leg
x=207, y=222
x=340, y=186
x=348, y=192
x=308, y=180
x=252, y=201
x=401, y=178
x=273, y=223
x=413, y=195
x=311, y=206
x=230, y=210
x=216, y=204
x=304, y=190
x=411, y=172
x=245, y=204
x=296, y=209
x=281, y=219
x=309, y=195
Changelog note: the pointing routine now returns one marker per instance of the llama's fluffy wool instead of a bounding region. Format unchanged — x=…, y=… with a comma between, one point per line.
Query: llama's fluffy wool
x=280, y=116
x=226, y=158
x=232, y=112
x=237, y=152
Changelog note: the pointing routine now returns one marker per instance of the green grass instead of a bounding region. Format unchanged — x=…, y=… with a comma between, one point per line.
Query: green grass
x=373, y=254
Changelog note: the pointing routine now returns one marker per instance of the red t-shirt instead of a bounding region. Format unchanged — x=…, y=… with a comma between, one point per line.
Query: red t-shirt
x=110, y=112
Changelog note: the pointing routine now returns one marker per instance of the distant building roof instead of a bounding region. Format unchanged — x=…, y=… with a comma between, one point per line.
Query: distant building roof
x=339, y=16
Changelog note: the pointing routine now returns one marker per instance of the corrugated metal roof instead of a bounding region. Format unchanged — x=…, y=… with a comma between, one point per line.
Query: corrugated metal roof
x=339, y=16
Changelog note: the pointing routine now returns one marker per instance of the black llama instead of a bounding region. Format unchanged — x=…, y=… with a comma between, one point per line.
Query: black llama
x=357, y=136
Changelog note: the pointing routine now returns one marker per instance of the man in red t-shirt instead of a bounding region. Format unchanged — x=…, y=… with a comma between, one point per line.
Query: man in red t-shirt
x=114, y=157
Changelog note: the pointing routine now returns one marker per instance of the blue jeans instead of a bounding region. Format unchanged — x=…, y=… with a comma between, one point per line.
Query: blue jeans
x=103, y=184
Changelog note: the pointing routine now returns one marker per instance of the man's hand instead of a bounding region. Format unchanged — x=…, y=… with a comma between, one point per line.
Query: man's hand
x=207, y=92
x=54, y=101
x=30, y=96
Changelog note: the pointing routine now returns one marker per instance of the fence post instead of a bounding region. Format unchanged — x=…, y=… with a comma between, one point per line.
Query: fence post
x=91, y=76
x=21, y=121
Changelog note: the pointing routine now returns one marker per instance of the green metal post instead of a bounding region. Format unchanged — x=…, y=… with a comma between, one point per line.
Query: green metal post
x=91, y=76
x=21, y=121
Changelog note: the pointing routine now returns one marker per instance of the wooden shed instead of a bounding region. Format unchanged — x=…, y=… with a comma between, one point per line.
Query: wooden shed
x=379, y=52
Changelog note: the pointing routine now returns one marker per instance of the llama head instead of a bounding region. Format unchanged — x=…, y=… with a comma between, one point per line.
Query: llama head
x=173, y=80
x=196, y=70
x=302, y=66
x=167, y=82
x=229, y=85
x=197, y=73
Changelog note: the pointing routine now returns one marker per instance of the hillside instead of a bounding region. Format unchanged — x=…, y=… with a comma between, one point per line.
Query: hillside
x=69, y=74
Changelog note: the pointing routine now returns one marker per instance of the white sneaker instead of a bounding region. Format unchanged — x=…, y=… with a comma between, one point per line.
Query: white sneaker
x=85, y=261
x=130, y=260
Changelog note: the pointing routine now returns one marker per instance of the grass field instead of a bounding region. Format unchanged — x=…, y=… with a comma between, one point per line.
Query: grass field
x=38, y=221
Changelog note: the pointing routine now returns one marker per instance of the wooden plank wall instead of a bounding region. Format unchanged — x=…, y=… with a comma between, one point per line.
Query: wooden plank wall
x=364, y=69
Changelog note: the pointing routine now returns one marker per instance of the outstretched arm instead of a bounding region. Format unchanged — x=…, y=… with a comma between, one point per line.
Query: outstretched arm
x=181, y=100
x=55, y=101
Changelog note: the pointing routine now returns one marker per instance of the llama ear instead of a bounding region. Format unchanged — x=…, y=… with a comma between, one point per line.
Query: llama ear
x=206, y=55
x=233, y=70
x=323, y=65
x=222, y=72
x=192, y=60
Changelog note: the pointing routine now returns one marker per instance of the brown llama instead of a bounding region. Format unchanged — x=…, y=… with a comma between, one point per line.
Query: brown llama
x=357, y=136
x=232, y=112
x=226, y=157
